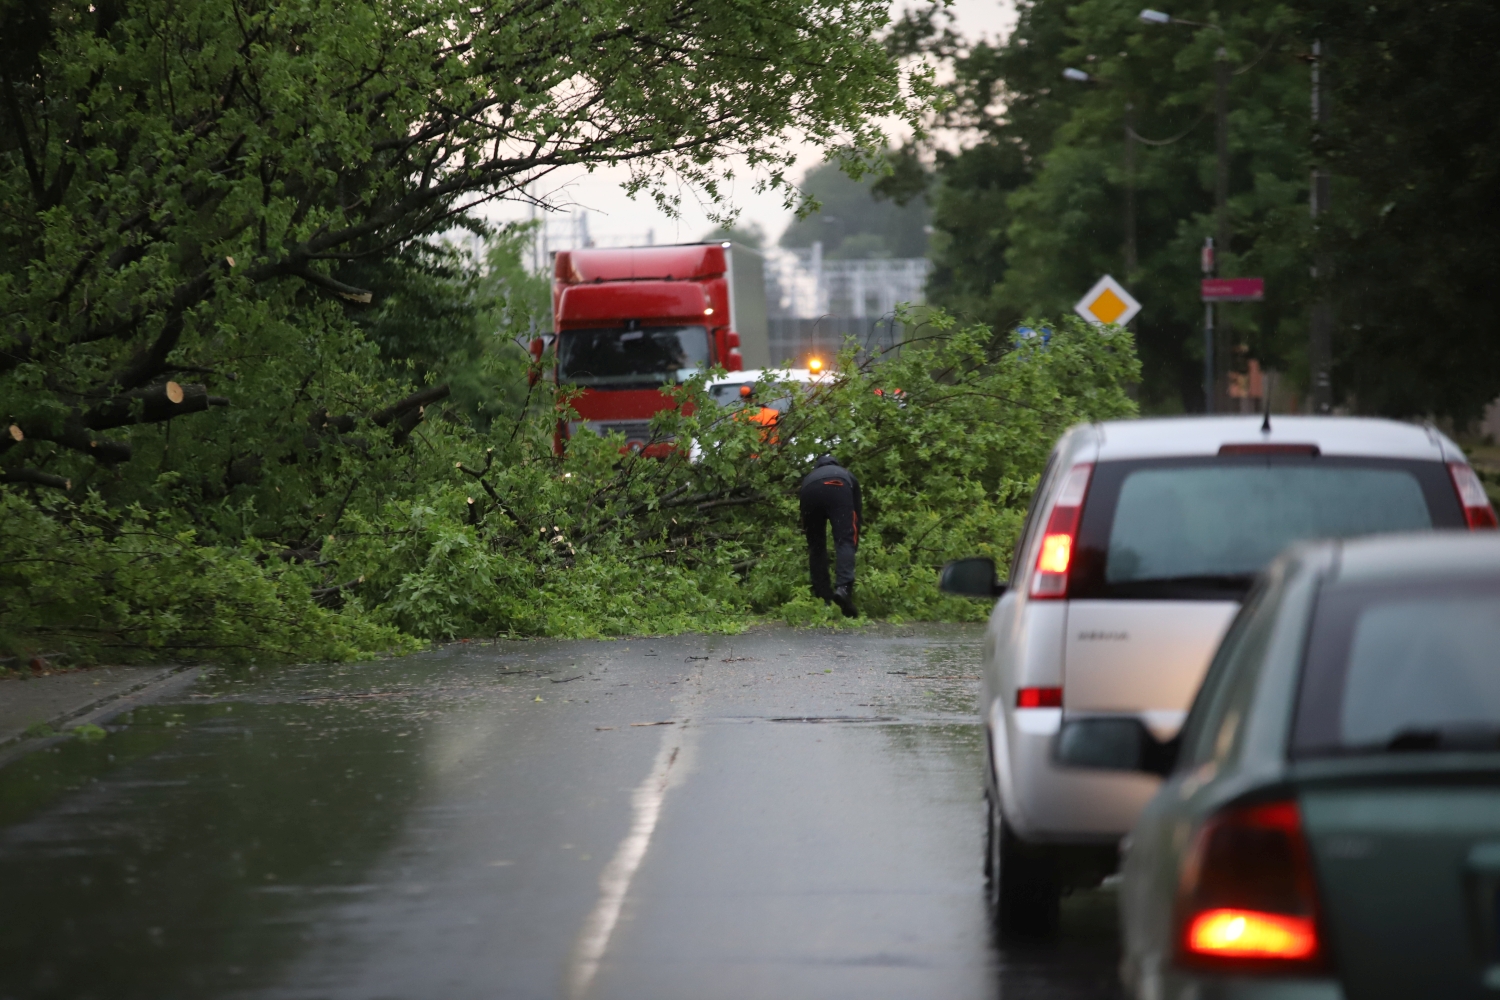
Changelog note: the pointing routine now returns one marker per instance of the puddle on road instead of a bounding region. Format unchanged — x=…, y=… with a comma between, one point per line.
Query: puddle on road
x=132, y=864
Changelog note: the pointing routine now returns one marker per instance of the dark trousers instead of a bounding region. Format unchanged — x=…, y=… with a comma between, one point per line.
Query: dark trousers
x=829, y=501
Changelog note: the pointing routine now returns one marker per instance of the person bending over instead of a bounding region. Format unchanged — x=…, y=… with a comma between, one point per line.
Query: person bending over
x=830, y=494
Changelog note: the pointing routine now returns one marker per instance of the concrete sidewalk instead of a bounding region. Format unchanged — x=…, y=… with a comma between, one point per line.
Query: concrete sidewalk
x=64, y=700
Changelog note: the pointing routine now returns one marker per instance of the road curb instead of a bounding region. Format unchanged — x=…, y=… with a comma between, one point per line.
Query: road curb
x=100, y=710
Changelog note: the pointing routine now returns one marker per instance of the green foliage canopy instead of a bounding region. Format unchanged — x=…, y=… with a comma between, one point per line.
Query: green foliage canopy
x=486, y=530
x=1414, y=92
x=946, y=437
x=854, y=219
x=1030, y=210
x=1028, y=204
x=190, y=186
x=259, y=400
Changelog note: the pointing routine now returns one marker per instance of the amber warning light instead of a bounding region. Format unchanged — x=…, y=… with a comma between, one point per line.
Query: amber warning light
x=815, y=365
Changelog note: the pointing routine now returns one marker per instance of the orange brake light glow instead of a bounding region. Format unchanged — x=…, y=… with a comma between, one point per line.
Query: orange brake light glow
x=1226, y=933
x=1057, y=553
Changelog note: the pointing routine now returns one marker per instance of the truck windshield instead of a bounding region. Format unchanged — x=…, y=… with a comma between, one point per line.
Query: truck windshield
x=623, y=359
x=1402, y=667
x=1202, y=528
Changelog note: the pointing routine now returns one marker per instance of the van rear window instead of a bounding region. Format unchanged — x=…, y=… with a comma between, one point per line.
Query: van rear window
x=1202, y=528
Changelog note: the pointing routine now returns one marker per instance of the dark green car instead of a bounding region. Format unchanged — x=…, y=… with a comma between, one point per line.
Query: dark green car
x=1330, y=823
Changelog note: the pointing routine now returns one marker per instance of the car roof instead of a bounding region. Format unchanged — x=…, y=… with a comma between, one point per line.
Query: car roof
x=1162, y=437
x=760, y=374
x=1431, y=555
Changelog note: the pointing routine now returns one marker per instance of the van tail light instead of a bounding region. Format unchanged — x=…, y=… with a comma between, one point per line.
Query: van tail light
x=1477, y=509
x=1050, y=581
x=1039, y=697
x=1248, y=895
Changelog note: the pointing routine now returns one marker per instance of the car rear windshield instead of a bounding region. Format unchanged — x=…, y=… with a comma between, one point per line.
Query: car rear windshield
x=1402, y=668
x=729, y=393
x=622, y=358
x=1201, y=528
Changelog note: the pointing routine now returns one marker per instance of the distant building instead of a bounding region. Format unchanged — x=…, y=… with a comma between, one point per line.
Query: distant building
x=816, y=304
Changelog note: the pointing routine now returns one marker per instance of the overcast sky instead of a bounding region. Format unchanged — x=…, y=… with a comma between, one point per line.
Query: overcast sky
x=614, y=219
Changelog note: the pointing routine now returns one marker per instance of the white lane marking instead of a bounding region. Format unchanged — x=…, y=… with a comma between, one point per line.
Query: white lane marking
x=614, y=881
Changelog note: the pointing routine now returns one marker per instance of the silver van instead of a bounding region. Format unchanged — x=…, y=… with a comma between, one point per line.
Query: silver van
x=1142, y=539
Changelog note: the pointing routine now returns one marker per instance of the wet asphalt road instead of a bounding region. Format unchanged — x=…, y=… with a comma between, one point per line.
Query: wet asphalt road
x=513, y=820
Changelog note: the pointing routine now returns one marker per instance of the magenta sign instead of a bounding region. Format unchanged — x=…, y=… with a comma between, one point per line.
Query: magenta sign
x=1234, y=289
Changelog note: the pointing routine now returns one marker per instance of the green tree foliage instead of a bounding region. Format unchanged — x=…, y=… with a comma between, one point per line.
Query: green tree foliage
x=447, y=314
x=235, y=316
x=946, y=438
x=863, y=216
x=1031, y=210
x=1414, y=91
x=190, y=188
x=120, y=585
x=264, y=397
x=486, y=530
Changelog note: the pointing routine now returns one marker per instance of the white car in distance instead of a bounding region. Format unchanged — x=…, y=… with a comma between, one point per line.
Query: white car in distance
x=1142, y=539
x=739, y=389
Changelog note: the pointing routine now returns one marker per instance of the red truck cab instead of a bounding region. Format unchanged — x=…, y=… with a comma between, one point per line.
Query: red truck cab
x=633, y=321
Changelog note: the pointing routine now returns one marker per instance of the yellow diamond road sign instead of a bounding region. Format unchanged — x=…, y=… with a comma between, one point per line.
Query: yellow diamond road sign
x=1107, y=302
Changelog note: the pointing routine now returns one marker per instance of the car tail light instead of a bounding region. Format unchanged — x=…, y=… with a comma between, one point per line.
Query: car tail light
x=1477, y=509
x=1050, y=581
x=1248, y=895
x=1039, y=697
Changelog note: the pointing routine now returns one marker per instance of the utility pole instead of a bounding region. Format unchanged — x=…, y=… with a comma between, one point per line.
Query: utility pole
x=1209, y=267
x=1221, y=201
x=1320, y=346
x=1130, y=246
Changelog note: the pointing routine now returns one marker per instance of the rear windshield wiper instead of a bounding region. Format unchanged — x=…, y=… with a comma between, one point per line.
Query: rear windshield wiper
x=1231, y=582
x=1473, y=736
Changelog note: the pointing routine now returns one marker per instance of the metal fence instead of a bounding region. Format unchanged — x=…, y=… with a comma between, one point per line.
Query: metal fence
x=817, y=306
x=802, y=283
x=794, y=339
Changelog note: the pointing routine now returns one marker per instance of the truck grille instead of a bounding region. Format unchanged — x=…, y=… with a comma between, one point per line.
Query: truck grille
x=635, y=431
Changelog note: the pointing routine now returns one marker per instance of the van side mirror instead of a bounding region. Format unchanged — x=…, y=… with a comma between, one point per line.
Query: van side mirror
x=972, y=577
x=1118, y=743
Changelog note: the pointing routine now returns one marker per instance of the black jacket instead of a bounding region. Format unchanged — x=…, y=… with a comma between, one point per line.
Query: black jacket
x=829, y=468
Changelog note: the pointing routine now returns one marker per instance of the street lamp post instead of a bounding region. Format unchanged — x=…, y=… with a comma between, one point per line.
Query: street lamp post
x=1209, y=266
x=1320, y=347
x=1130, y=248
x=1214, y=333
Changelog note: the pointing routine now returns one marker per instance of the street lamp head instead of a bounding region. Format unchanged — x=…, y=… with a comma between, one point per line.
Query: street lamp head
x=1155, y=16
x=1077, y=75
